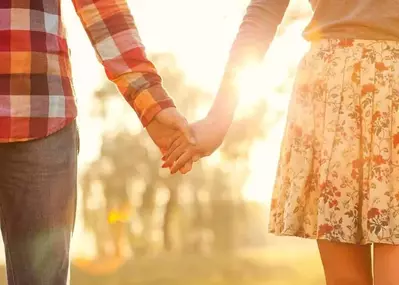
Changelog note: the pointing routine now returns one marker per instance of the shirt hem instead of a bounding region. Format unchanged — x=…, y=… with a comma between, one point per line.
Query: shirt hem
x=64, y=123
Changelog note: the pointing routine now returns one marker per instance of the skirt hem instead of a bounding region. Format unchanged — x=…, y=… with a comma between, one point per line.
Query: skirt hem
x=314, y=237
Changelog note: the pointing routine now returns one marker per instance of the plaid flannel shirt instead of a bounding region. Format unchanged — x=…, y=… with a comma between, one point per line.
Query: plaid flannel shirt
x=36, y=93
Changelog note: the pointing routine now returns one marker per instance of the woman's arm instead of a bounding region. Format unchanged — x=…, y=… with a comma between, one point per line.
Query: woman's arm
x=256, y=32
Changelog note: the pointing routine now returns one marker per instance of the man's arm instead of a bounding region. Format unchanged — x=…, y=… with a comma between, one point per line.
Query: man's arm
x=115, y=38
x=256, y=32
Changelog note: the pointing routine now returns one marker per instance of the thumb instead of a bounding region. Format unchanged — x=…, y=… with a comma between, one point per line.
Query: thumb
x=172, y=118
x=184, y=127
x=196, y=158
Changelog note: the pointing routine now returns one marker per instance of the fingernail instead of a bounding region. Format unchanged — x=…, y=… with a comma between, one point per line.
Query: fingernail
x=164, y=165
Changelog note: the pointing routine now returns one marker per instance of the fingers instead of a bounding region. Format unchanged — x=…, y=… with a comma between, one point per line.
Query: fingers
x=183, y=126
x=175, y=143
x=172, y=140
x=180, y=156
x=179, y=147
x=196, y=158
x=186, y=168
x=172, y=118
x=181, y=161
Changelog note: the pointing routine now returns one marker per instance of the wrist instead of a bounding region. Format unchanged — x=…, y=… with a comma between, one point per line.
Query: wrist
x=223, y=109
x=220, y=121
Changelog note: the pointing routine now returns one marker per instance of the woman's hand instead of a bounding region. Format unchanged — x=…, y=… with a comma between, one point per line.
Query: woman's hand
x=209, y=134
x=166, y=125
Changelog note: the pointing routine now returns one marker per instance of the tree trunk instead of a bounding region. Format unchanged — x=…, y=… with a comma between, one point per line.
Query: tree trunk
x=170, y=223
x=147, y=217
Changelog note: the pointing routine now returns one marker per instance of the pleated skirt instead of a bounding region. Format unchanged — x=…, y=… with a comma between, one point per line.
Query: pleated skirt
x=338, y=173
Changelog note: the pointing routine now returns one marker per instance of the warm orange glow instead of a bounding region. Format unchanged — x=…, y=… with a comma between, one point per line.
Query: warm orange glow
x=201, y=47
x=250, y=84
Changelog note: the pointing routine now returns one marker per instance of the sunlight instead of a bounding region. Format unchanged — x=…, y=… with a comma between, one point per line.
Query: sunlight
x=201, y=49
x=273, y=81
x=250, y=85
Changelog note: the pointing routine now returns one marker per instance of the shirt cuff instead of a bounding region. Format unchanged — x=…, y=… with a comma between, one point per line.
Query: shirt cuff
x=149, y=102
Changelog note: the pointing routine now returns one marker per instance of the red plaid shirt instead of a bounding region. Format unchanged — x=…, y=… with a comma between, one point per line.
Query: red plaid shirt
x=36, y=94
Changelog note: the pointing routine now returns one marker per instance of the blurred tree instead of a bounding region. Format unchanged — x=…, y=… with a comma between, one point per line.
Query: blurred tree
x=127, y=158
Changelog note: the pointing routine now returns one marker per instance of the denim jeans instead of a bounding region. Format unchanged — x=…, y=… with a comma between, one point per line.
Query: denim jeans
x=37, y=207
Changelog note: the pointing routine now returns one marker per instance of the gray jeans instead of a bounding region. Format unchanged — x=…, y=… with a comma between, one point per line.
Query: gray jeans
x=37, y=207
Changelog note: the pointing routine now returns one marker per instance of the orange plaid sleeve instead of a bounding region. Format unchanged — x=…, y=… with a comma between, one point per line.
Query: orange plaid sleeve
x=115, y=38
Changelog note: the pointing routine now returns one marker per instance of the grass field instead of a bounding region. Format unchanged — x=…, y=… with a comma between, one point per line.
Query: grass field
x=277, y=266
x=286, y=261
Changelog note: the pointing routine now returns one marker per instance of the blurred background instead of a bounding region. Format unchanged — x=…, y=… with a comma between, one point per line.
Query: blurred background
x=138, y=225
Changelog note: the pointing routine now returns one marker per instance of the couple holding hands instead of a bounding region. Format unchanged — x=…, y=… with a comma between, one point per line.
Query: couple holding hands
x=338, y=174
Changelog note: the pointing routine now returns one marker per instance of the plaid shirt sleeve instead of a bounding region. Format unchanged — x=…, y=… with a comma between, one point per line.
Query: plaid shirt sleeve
x=115, y=38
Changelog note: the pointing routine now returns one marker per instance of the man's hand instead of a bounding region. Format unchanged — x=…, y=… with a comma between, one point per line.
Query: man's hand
x=167, y=126
x=209, y=134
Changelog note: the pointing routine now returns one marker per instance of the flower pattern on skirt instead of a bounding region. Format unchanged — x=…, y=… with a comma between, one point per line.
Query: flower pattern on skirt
x=338, y=175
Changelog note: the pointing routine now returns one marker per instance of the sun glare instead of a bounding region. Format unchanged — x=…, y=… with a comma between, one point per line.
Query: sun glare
x=250, y=84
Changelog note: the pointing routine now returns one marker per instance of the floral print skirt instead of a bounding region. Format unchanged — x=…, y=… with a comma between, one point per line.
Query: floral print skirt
x=338, y=175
